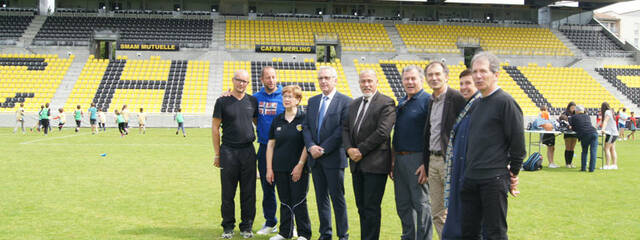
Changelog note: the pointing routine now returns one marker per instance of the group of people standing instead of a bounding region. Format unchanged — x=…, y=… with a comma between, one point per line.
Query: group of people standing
x=453, y=158
x=609, y=123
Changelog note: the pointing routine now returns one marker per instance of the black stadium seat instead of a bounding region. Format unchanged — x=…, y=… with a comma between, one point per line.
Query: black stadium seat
x=135, y=30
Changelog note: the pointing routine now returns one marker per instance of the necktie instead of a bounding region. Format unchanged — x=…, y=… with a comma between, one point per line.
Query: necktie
x=361, y=115
x=323, y=110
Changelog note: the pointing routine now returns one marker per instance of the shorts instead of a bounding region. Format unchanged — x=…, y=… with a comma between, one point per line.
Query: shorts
x=570, y=135
x=60, y=124
x=92, y=121
x=78, y=122
x=549, y=139
x=621, y=125
x=610, y=138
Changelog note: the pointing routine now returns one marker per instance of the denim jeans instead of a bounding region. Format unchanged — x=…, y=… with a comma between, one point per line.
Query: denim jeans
x=590, y=141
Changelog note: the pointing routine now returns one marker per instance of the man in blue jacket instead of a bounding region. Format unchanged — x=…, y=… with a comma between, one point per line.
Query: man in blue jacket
x=269, y=106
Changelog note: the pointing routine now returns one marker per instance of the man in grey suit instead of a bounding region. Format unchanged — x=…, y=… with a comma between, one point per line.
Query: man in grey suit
x=366, y=137
x=322, y=131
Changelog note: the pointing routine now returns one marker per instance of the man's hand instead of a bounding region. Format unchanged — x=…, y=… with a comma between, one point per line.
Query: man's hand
x=297, y=172
x=216, y=161
x=354, y=154
x=422, y=175
x=226, y=94
x=316, y=151
x=391, y=172
x=513, y=189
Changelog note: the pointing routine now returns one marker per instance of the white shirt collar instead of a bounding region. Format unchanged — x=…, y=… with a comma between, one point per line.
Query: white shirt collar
x=331, y=94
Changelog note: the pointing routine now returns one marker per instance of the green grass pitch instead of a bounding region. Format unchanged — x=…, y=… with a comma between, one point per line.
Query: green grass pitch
x=163, y=186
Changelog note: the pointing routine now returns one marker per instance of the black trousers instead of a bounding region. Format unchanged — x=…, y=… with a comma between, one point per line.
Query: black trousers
x=238, y=165
x=45, y=125
x=293, y=203
x=484, y=204
x=369, y=189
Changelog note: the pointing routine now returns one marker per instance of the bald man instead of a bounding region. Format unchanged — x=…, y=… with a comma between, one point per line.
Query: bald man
x=236, y=157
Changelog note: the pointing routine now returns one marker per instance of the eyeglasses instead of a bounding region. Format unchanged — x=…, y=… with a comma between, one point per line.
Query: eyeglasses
x=241, y=81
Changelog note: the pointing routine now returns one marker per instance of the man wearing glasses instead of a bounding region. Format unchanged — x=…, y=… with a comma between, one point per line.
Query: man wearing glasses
x=236, y=157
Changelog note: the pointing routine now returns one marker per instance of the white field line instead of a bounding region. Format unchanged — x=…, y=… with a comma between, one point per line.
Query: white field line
x=53, y=138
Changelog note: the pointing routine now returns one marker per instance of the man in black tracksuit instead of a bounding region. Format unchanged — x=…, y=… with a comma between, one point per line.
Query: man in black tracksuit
x=496, y=141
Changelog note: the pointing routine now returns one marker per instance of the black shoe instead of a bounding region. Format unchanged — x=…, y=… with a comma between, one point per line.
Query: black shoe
x=176, y=132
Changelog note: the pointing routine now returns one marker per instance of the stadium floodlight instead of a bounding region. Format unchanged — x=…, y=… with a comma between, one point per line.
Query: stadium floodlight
x=320, y=13
x=4, y=5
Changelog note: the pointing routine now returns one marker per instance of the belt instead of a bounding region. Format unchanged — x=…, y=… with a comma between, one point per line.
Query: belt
x=436, y=153
x=404, y=153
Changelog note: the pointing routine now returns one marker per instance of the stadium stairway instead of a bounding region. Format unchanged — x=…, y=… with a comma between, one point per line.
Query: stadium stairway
x=217, y=42
x=577, y=53
x=396, y=40
x=32, y=30
x=351, y=74
x=588, y=66
x=66, y=86
x=216, y=70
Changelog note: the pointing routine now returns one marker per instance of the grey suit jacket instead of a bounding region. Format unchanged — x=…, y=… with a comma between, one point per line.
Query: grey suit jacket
x=373, y=138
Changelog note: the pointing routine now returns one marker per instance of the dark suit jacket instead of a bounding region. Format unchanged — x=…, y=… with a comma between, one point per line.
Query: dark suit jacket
x=331, y=131
x=454, y=102
x=373, y=139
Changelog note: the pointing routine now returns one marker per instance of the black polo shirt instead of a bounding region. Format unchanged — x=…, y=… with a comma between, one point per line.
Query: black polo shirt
x=289, y=142
x=237, y=120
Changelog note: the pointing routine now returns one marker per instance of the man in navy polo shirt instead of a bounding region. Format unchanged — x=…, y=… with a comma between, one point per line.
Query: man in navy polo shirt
x=409, y=174
x=269, y=106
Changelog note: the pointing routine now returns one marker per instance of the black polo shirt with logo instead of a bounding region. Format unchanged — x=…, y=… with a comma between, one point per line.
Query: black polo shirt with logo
x=237, y=120
x=289, y=142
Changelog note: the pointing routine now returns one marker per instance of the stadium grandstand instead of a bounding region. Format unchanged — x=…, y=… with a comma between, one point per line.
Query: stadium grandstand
x=162, y=56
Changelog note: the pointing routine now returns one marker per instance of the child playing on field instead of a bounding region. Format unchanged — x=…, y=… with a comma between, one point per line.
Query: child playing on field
x=180, y=119
x=120, y=122
x=38, y=122
x=142, y=120
x=78, y=116
x=62, y=119
x=102, y=120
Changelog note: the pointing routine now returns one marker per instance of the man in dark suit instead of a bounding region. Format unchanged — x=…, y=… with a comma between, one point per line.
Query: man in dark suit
x=322, y=130
x=444, y=107
x=366, y=137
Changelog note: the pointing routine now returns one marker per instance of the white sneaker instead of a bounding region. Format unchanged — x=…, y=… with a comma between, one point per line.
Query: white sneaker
x=227, y=235
x=613, y=167
x=605, y=167
x=265, y=230
x=302, y=238
x=277, y=237
x=247, y=234
x=553, y=165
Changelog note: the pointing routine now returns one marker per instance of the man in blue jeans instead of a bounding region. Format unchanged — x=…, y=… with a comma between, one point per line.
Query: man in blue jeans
x=269, y=106
x=588, y=136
